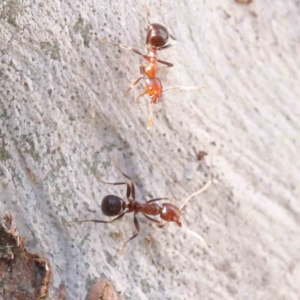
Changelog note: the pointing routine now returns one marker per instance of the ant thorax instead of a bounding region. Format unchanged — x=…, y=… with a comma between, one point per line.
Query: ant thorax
x=132, y=205
x=151, y=53
x=149, y=67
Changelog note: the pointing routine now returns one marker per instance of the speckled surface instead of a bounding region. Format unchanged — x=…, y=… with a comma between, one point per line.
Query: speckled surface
x=62, y=116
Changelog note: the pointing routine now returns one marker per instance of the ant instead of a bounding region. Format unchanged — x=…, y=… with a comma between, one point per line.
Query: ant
x=115, y=206
x=156, y=40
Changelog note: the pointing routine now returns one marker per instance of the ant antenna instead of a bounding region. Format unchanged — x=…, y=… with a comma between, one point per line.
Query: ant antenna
x=150, y=123
x=196, y=235
x=206, y=186
x=148, y=14
x=196, y=87
x=115, y=163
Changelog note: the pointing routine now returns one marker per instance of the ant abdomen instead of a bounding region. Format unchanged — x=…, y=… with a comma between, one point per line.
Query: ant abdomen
x=157, y=35
x=112, y=205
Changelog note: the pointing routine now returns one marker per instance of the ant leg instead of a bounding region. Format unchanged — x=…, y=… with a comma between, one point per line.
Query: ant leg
x=195, y=87
x=167, y=46
x=133, y=190
x=170, y=31
x=169, y=65
x=172, y=36
x=137, y=226
x=161, y=224
x=151, y=219
x=159, y=199
x=128, y=190
x=135, y=83
x=141, y=95
x=131, y=181
x=123, y=47
x=148, y=14
x=97, y=221
x=150, y=122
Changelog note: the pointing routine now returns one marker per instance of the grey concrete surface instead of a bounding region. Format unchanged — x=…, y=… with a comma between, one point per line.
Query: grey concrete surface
x=62, y=116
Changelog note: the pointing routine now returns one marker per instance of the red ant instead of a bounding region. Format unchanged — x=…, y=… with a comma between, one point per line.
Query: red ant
x=157, y=39
x=113, y=205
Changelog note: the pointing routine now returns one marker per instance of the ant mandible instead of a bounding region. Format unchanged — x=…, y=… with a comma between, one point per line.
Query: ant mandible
x=114, y=206
x=157, y=39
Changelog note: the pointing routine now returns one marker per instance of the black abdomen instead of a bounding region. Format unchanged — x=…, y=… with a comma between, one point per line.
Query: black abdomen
x=112, y=205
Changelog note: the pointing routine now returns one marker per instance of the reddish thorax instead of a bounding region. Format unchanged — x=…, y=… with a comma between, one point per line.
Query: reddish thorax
x=149, y=70
x=149, y=67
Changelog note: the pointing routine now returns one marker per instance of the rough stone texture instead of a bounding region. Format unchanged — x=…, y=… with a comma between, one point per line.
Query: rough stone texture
x=23, y=275
x=62, y=116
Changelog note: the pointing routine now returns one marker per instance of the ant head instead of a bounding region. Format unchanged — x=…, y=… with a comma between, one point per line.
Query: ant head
x=112, y=205
x=171, y=213
x=154, y=87
x=157, y=35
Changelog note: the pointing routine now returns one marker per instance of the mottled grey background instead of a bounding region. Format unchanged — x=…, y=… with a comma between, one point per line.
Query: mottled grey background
x=62, y=116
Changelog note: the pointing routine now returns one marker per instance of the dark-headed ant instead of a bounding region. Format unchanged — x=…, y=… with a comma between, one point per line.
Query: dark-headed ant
x=113, y=205
x=157, y=39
